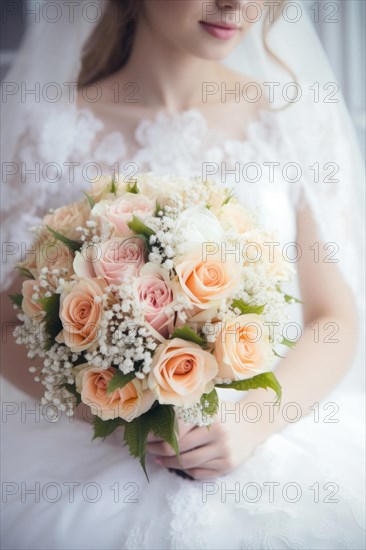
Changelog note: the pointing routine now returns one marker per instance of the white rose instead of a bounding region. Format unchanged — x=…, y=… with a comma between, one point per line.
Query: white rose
x=198, y=225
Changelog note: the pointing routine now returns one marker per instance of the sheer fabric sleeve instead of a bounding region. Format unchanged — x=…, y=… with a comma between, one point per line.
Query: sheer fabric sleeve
x=330, y=172
x=42, y=175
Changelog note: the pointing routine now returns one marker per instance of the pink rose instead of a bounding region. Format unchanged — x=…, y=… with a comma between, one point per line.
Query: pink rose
x=181, y=372
x=114, y=260
x=128, y=402
x=66, y=219
x=120, y=211
x=155, y=294
x=242, y=348
x=80, y=314
x=30, y=307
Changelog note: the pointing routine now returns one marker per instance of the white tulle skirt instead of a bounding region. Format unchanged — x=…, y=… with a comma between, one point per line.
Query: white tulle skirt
x=303, y=488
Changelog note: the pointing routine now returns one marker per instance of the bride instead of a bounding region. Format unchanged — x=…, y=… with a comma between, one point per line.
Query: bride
x=234, y=91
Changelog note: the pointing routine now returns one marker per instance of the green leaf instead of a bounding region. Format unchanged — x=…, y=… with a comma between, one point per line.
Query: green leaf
x=137, y=226
x=291, y=299
x=74, y=246
x=186, y=333
x=103, y=428
x=288, y=298
x=163, y=424
x=132, y=188
x=119, y=380
x=161, y=421
x=265, y=380
x=158, y=208
x=17, y=299
x=135, y=437
x=53, y=325
x=91, y=201
x=246, y=308
x=212, y=400
x=71, y=388
x=114, y=186
x=288, y=343
x=230, y=193
x=25, y=272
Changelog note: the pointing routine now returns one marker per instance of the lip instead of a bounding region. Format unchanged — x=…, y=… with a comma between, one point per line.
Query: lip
x=222, y=31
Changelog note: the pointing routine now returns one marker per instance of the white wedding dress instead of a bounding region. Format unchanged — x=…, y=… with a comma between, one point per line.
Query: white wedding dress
x=302, y=488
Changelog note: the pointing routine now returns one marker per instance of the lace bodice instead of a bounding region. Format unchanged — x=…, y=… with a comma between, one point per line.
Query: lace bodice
x=282, y=158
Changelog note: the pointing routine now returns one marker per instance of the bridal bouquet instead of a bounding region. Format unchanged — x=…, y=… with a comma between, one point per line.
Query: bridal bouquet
x=146, y=296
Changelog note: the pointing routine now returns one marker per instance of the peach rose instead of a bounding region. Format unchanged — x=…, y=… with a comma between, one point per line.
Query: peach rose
x=242, y=348
x=35, y=253
x=181, y=372
x=29, y=305
x=80, y=314
x=128, y=402
x=155, y=294
x=114, y=260
x=207, y=283
x=119, y=212
x=66, y=219
x=55, y=255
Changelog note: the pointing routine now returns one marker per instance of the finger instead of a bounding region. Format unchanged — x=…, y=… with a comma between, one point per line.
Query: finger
x=151, y=438
x=160, y=449
x=190, y=459
x=184, y=428
x=195, y=438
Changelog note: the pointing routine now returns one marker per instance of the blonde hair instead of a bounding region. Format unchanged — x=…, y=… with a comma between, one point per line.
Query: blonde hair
x=109, y=46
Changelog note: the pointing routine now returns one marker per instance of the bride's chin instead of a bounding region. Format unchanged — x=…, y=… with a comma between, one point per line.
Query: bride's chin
x=218, y=53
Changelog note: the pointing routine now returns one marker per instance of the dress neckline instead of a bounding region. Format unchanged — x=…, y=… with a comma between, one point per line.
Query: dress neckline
x=186, y=119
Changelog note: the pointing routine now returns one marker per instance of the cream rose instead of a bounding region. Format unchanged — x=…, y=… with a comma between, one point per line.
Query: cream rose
x=120, y=211
x=128, y=402
x=113, y=260
x=66, y=219
x=266, y=248
x=236, y=217
x=161, y=188
x=29, y=305
x=207, y=281
x=242, y=348
x=181, y=372
x=80, y=314
x=154, y=293
x=100, y=188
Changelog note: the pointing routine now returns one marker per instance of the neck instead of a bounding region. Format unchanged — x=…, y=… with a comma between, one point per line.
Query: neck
x=167, y=78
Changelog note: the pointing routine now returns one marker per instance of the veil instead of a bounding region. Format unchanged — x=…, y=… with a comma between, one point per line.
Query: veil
x=49, y=61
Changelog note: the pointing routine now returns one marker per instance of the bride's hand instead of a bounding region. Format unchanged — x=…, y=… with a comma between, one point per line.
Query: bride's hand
x=206, y=453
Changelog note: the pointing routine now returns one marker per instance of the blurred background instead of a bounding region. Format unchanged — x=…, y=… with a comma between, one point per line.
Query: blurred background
x=340, y=25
